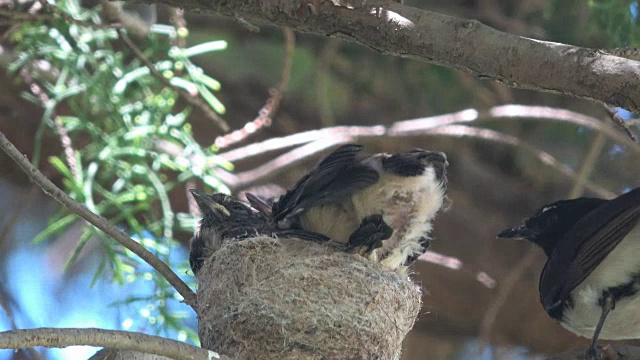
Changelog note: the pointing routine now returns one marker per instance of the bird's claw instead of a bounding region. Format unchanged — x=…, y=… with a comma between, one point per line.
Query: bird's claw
x=369, y=236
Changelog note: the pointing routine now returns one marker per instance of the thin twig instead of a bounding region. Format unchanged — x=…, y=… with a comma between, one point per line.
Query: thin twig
x=6, y=303
x=617, y=119
x=45, y=100
x=453, y=263
x=326, y=58
x=580, y=181
x=115, y=339
x=116, y=17
x=120, y=236
x=504, y=291
x=69, y=151
x=343, y=134
x=275, y=166
x=543, y=156
x=247, y=25
x=176, y=17
x=588, y=163
x=17, y=16
x=192, y=100
x=265, y=115
x=301, y=138
x=423, y=125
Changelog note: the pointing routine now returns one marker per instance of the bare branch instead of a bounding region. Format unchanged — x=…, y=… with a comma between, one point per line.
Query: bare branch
x=453, y=263
x=326, y=57
x=266, y=113
x=273, y=167
x=120, y=236
x=617, y=119
x=435, y=125
x=462, y=44
x=342, y=135
x=504, y=291
x=544, y=157
x=116, y=17
x=52, y=337
x=423, y=125
x=588, y=164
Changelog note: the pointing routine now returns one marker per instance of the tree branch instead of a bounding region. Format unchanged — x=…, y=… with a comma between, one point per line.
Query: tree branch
x=120, y=236
x=425, y=124
x=265, y=114
x=462, y=44
x=53, y=337
x=310, y=142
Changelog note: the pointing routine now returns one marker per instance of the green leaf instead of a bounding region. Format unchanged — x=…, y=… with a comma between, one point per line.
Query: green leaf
x=84, y=238
x=211, y=99
x=55, y=228
x=204, y=48
x=60, y=165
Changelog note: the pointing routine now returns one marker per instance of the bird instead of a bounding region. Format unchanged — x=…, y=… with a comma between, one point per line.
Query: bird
x=591, y=279
x=227, y=219
x=406, y=189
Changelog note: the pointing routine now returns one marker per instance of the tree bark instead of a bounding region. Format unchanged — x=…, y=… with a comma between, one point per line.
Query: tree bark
x=462, y=44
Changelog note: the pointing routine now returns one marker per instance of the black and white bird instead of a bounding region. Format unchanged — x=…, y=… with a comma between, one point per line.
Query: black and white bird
x=592, y=273
x=406, y=189
x=226, y=219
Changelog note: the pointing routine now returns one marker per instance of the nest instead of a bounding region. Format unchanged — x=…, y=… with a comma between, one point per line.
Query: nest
x=290, y=299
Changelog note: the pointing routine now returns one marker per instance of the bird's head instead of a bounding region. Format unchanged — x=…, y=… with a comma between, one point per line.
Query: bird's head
x=552, y=222
x=223, y=219
x=436, y=160
x=229, y=217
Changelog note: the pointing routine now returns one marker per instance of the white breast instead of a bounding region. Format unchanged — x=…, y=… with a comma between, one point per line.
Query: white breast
x=623, y=322
x=408, y=205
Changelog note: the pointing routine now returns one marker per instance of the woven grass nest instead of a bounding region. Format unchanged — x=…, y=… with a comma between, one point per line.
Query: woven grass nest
x=289, y=299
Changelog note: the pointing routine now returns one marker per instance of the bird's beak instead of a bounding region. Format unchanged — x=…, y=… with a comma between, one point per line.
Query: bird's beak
x=258, y=203
x=518, y=233
x=206, y=204
x=436, y=158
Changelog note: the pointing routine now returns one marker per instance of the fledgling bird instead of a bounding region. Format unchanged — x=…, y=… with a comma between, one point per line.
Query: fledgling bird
x=592, y=273
x=407, y=189
x=227, y=219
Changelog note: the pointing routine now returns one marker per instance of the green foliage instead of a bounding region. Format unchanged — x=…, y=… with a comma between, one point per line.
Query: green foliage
x=616, y=20
x=131, y=145
x=594, y=23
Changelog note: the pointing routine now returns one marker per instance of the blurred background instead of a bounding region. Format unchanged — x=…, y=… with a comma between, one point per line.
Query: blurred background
x=77, y=100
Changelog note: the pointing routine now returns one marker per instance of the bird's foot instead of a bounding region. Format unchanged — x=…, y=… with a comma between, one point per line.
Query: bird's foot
x=369, y=236
x=594, y=352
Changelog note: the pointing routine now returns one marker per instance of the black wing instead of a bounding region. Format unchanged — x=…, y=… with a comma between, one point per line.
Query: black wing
x=196, y=254
x=262, y=205
x=586, y=245
x=335, y=178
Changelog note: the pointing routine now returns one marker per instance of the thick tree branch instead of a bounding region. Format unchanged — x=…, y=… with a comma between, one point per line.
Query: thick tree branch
x=52, y=337
x=463, y=44
x=120, y=236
